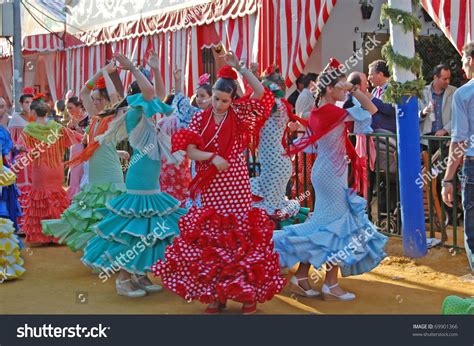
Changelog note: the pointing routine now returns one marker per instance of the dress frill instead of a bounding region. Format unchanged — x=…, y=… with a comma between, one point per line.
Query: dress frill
x=220, y=257
x=11, y=263
x=43, y=204
x=75, y=228
x=23, y=200
x=142, y=224
x=353, y=234
x=9, y=196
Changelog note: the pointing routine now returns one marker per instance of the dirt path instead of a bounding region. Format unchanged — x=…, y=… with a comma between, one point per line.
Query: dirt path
x=55, y=280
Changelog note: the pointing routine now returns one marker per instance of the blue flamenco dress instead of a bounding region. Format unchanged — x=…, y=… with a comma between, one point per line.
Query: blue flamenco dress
x=9, y=205
x=339, y=230
x=138, y=225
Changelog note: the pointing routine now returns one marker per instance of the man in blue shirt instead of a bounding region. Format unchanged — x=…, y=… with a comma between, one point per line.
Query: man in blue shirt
x=385, y=118
x=462, y=145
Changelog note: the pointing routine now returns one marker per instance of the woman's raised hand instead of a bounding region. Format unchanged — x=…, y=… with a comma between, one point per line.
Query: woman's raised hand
x=231, y=59
x=153, y=60
x=124, y=62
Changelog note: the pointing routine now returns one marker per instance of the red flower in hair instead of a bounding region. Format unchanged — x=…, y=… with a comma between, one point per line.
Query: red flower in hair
x=28, y=90
x=39, y=96
x=334, y=63
x=204, y=79
x=269, y=70
x=227, y=72
x=100, y=84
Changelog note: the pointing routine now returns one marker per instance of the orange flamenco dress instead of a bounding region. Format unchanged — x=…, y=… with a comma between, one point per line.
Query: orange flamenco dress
x=46, y=145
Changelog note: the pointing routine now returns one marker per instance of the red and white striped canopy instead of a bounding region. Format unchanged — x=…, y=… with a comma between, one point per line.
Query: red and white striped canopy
x=454, y=17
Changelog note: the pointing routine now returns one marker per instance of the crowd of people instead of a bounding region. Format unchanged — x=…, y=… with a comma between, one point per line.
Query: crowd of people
x=187, y=210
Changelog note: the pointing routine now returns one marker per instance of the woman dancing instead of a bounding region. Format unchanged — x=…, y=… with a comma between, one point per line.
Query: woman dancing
x=225, y=249
x=105, y=175
x=46, y=142
x=339, y=233
x=16, y=125
x=78, y=122
x=175, y=180
x=269, y=188
x=144, y=220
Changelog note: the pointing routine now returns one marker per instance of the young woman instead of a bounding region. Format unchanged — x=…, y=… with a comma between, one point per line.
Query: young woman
x=105, y=175
x=144, y=220
x=225, y=249
x=79, y=122
x=339, y=234
x=15, y=126
x=175, y=180
x=46, y=142
x=269, y=188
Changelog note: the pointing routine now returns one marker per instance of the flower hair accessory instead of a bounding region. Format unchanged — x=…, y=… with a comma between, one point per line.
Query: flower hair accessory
x=333, y=64
x=40, y=97
x=227, y=72
x=100, y=84
x=204, y=79
x=28, y=90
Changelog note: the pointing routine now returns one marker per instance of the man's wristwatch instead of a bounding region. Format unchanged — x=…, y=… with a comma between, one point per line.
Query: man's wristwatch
x=445, y=183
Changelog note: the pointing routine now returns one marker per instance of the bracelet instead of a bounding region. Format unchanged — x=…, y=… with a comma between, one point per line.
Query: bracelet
x=89, y=85
x=446, y=182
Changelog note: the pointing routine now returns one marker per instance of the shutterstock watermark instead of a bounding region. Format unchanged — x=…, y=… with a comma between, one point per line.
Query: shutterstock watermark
x=426, y=177
x=354, y=248
x=48, y=331
x=123, y=259
x=26, y=159
x=138, y=157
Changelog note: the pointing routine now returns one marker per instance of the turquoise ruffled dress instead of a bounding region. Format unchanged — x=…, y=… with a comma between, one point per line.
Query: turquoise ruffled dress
x=339, y=231
x=139, y=224
x=75, y=228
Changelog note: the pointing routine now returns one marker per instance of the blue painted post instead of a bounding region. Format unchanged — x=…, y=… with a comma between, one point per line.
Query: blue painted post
x=409, y=166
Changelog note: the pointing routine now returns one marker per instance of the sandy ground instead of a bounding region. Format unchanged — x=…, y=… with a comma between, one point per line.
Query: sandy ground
x=56, y=282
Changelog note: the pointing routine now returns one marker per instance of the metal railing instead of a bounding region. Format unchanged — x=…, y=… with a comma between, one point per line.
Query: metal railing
x=383, y=193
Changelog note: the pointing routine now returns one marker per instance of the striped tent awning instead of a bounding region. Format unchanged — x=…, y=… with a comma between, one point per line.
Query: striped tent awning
x=455, y=19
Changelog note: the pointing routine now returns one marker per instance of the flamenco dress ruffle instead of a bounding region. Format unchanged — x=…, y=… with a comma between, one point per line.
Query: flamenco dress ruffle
x=351, y=233
x=221, y=257
x=143, y=224
x=75, y=228
x=11, y=263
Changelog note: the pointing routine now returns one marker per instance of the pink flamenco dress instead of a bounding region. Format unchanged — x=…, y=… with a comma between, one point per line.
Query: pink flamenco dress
x=76, y=173
x=224, y=251
x=20, y=163
x=46, y=145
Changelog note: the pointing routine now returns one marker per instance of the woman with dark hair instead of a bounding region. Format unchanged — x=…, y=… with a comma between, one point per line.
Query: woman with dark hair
x=225, y=250
x=144, y=220
x=47, y=142
x=15, y=126
x=269, y=188
x=339, y=233
x=105, y=175
x=79, y=122
x=176, y=179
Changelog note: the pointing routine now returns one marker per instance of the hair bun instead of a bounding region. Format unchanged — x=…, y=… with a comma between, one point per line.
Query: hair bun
x=227, y=72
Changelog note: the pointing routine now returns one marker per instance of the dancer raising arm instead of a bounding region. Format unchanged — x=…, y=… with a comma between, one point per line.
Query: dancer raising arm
x=339, y=233
x=105, y=176
x=144, y=220
x=225, y=249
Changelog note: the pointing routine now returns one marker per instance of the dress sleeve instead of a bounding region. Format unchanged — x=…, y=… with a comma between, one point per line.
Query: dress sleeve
x=192, y=135
x=184, y=111
x=149, y=107
x=362, y=118
x=252, y=113
x=70, y=137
